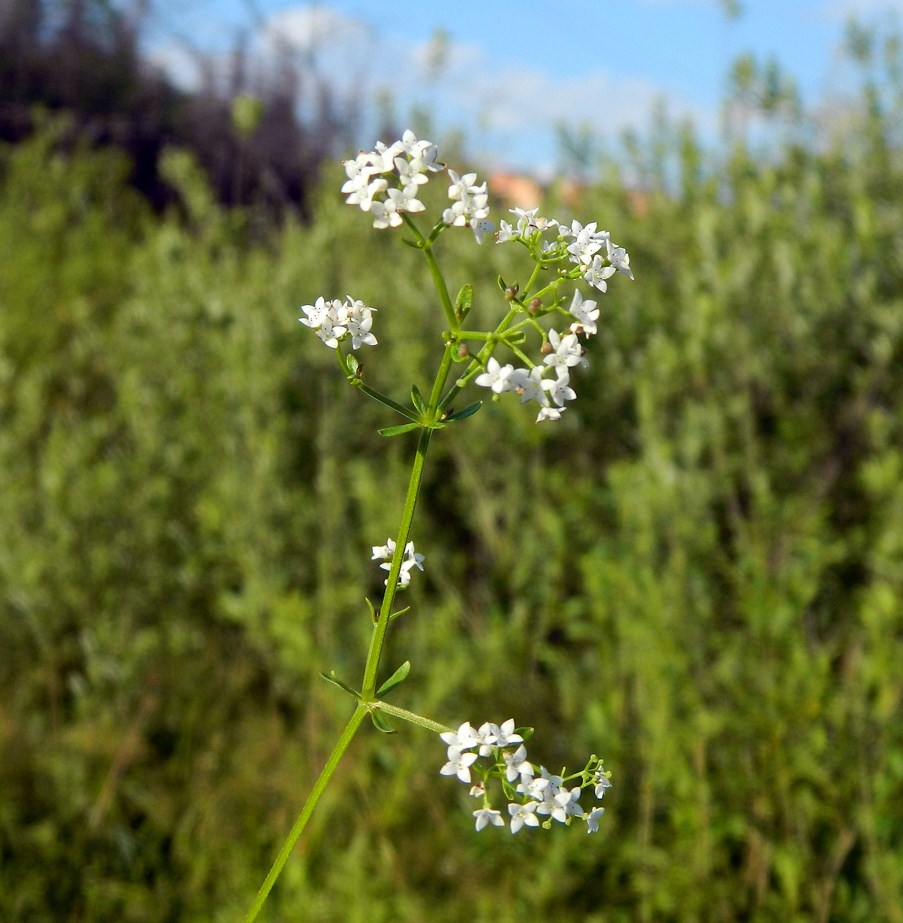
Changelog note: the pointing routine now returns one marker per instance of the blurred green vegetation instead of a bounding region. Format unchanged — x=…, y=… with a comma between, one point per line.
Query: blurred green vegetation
x=697, y=574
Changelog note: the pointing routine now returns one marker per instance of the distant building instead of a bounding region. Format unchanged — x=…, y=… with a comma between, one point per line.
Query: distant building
x=515, y=189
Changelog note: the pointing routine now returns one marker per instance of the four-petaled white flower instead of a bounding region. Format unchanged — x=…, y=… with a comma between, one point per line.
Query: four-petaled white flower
x=559, y=390
x=566, y=351
x=516, y=765
x=619, y=258
x=488, y=816
x=592, y=819
x=522, y=814
x=496, y=376
x=459, y=763
x=586, y=313
x=603, y=783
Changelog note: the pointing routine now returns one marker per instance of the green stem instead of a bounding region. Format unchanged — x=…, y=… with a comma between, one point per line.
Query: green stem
x=441, y=288
x=410, y=716
x=308, y=809
x=479, y=361
x=378, y=639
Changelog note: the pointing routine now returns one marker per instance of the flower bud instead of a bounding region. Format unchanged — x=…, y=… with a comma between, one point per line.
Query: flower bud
x=511, y=292
x=463, y=351
x=534, y=305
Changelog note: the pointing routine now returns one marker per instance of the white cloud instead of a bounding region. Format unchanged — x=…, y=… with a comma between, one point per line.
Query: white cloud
x=313, y=31
x=507, y=113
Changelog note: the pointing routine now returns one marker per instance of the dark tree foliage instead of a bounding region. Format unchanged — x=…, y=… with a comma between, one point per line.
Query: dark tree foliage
x=85, y=57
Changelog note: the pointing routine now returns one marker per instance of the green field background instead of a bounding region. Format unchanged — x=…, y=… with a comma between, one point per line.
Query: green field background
x=697, y=574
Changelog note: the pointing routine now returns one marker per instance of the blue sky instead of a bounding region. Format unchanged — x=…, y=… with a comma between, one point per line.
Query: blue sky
x=514, y=68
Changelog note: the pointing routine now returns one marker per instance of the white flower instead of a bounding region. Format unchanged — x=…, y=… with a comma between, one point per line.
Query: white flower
x=486, y=737
x=488, y=816
x=566, y=351
x=481, y=226
x=592, y=819
x=411, y=560
x=359, y=320
x=505, y=735
x=602, y=784
x=586, y=313
x=496, y=376
x=458, y=764
x=331, y=330
x=619, y=258
x=597, y=272
x=565, y=805
x=384, y=552
x=470, y=204
x=315, y=312
x=423, y=154
x=559, y=390
x=522, y=814
x=587, y=242
x=464, y=738
x=516, y=764
x=506, y=232
x=527, y=383
x=550, y=413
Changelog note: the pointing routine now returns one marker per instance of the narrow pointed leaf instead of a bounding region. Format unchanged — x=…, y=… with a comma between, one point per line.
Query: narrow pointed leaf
x=468, y=411
x=417, y=400
x=380, y=723
x=503, y=285
x=372, y=608
x=398, y=430
x=332, y=678
x=395, y=615
x=399, y=676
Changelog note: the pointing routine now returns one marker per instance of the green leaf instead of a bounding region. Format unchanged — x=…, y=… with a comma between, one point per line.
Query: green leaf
x=332, y=678
x=464, y=301
x=398, y=430
x=380, y=723
x=353, y=364
x=417, y=401
x=468, y=411
x=503, y=285
x=395, y=615
x=399, y=676
x=373, y=616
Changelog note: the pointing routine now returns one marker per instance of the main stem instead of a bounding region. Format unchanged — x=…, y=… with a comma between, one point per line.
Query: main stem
x=378, y=639
x=316, y=792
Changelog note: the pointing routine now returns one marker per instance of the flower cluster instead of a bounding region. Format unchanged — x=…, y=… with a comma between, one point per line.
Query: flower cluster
x=338, y=320
x=597, y=259
x=562, y=353
x=532, y=792
x=406, y=163
x=592, y=250
x=411, y=560
x=470, y=205
x=387, y=181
